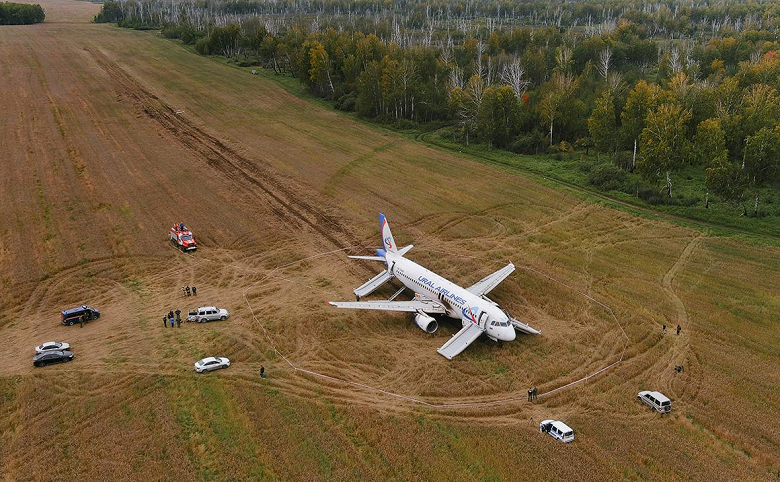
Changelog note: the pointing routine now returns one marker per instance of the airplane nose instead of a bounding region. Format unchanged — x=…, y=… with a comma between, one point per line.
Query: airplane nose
x=509, y=333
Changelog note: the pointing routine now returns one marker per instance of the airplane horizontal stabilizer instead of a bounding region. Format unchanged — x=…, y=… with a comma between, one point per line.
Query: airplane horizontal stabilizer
x=386, y=305
x=370, y=258
x=371, y=285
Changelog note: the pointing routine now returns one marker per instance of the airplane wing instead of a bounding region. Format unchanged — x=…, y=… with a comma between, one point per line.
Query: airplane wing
x=489, y=282
x=460, y=341
x=426, y=306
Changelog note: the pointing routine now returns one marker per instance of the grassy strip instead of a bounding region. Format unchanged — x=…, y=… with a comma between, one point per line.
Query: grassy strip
x=572, y=171
x=211, y=426
x=569, y=173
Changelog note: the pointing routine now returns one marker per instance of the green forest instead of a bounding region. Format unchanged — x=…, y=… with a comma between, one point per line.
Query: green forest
x=20, y=13
x=671, y=104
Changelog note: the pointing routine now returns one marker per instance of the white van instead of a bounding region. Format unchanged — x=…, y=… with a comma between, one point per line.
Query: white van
x=655, y=400
x=557, y=429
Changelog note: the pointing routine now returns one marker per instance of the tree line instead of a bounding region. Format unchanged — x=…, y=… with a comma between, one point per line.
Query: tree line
x=20, y=13
x=617, y=84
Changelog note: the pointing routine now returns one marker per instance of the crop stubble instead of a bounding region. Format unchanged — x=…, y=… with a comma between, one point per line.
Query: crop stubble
x=96, y=165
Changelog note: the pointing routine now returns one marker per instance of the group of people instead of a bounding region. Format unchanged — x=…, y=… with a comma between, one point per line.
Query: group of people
x=170, y=319
x=532, y=394
x=189, y=291
x=679, y=329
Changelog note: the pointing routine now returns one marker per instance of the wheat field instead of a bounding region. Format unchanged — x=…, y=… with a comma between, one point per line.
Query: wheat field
x=108, y=135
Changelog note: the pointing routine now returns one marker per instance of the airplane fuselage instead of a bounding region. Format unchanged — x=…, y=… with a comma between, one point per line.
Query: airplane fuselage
x=458, y=302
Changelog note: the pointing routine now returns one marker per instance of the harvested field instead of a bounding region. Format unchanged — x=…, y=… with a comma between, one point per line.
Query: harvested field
x=107, y=136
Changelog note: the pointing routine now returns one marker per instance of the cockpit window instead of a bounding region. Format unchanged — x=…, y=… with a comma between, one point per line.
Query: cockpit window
x=186, y=237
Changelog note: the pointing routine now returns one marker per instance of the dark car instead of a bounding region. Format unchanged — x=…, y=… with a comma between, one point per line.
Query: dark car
x=73, y=315
x=49, y=357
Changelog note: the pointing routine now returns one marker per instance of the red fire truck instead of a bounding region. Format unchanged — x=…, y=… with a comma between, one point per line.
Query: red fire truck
x=181, y=237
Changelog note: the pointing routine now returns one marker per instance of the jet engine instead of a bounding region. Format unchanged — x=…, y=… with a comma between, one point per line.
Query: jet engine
x=426, y=323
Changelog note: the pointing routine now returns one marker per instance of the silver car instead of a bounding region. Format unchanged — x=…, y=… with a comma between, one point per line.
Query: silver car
x=655, y=400
x=52, y=345
x=208, y=313
x=211, y=363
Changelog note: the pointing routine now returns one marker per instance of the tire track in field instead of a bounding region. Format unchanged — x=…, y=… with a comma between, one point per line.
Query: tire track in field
x=669, y=349
x=681, y=349
x=682, y=315
x=286, y=200
x=380, y=395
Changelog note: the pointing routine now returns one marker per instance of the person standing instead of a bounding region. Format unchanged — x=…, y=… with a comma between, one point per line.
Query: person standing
x=82, y=319
x=187, y=290
x=678, y=330
x=262, y=371
x=530, y=394
x=178, y=315
x=170, y=319
x=535, y=393
x=194, y=291
x=664, y=329
x=165, y=321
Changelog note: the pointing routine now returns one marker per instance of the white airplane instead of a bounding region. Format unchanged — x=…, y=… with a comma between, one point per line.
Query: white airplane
x=434, y=294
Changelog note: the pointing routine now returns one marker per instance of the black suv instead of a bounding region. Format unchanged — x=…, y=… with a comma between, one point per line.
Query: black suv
x=54, y=356
x=73, y=315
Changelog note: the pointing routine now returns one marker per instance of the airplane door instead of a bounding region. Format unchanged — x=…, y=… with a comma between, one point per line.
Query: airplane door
x=482, y=320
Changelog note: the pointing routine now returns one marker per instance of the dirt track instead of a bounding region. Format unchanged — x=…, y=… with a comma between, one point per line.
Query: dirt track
x=96, y=163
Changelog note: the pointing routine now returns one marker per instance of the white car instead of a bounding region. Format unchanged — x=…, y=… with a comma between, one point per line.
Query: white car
x=655, y=400
x=208, y=313
x=52, y=345
x=557, y=429
x=211, y=363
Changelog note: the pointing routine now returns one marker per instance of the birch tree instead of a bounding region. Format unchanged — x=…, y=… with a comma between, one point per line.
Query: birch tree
x=319, y=67
x=513, y=75
x=498, y=115
x=466, y=103
x=558, y=91
x=762, y=160
x=664, y=147
x=642, y=98
x=728, y=181
x=602, y=124
x=605, y=57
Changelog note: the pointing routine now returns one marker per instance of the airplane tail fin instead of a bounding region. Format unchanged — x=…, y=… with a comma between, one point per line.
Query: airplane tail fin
x=388, y=243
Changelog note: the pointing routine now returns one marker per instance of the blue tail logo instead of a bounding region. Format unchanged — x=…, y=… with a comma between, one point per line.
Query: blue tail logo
x=387, y=236
x=470, y=313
